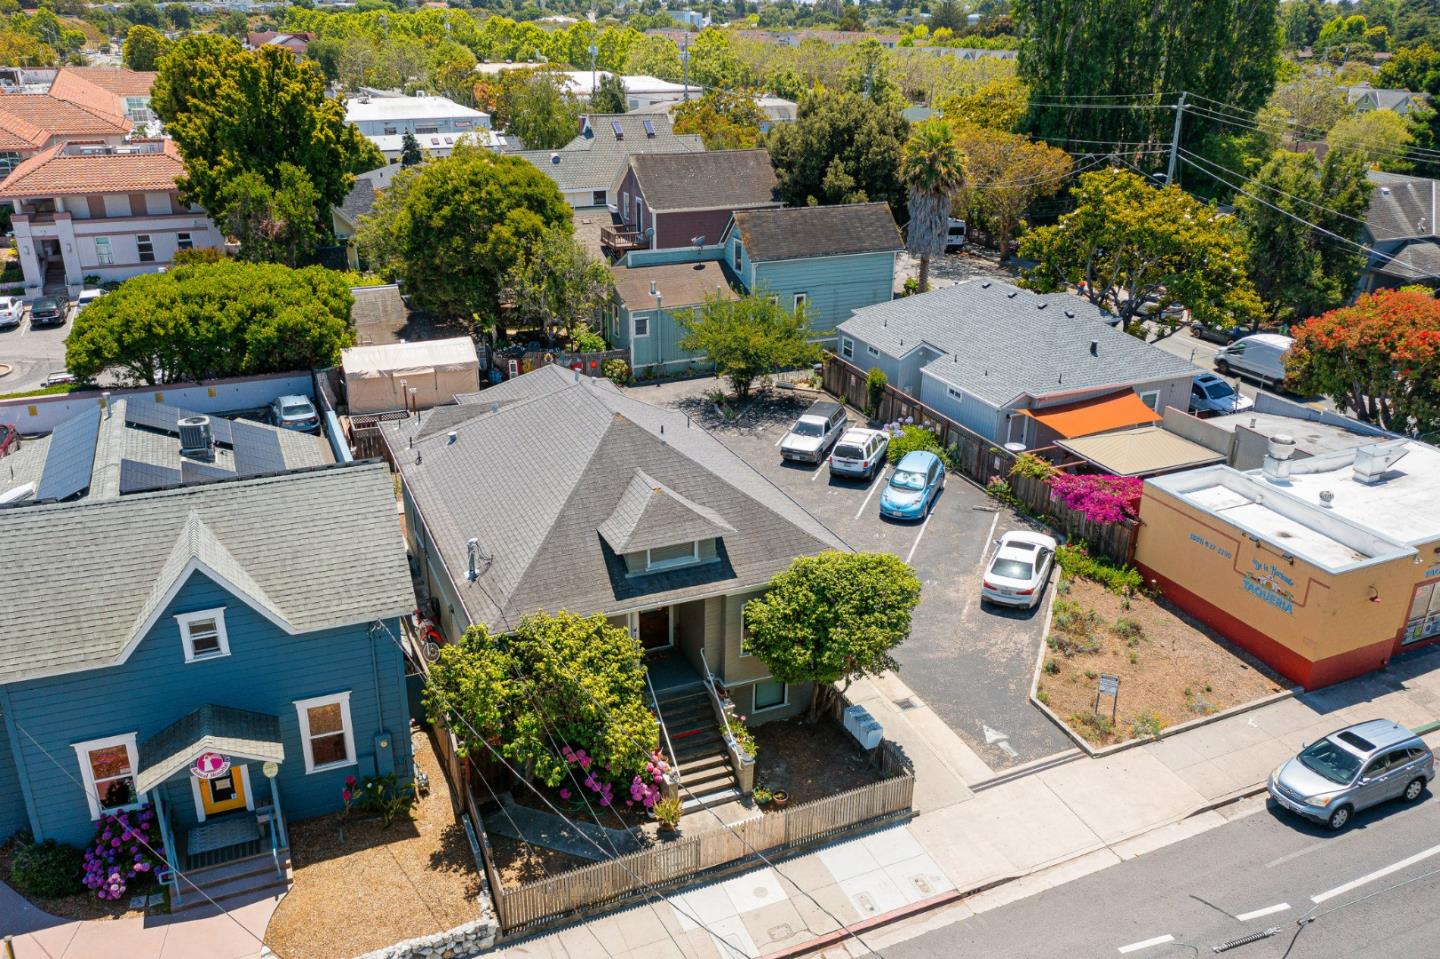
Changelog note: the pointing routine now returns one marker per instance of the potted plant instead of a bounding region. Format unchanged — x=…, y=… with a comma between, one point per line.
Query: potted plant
x=779, y=797
x=667, y=813
x=761, y=795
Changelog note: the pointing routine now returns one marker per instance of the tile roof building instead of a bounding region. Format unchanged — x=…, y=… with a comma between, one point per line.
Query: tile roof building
x=30, y=122
x=102, y=210
x=118, y=92
x=585, y=169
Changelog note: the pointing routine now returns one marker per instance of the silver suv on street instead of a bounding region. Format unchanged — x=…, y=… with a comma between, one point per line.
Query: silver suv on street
x=1352, y=769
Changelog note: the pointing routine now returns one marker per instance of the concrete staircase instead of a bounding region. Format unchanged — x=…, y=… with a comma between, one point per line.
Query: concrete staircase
x=245, y=880
x=700, y=753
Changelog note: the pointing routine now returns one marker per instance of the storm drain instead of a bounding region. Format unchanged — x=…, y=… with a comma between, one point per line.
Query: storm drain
x=907, y=703
x=1245, y=940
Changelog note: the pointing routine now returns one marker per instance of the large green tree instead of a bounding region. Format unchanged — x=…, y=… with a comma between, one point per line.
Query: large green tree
x=932, y=169
x=840, y=149
x=542, y=113
x=725, y=120
x=553, y=682
x=609, y=95
x=1074, y=54
x=273, y=224
x=213, y=320
x=832, y=618
x=1005, y=173
x=452, y=228
x=1378, y=359
x=233, y=111
x=1127, y=244
x=144, y=46
x=749, y=338
x=558, y=284
x=1297, y=270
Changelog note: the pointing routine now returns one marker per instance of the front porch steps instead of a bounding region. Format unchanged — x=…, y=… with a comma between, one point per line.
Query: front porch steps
x=700, y=754
x=250, y=879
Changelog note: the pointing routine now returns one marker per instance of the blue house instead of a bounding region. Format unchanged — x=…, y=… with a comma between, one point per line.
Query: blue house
x=830, y=259
x=228, y=653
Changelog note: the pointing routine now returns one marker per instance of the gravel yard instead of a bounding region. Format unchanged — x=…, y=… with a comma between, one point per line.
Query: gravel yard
x=379, y=885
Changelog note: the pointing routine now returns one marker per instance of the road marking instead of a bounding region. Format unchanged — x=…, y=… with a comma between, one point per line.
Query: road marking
x=874, y=485
x=1137, y=946
x=989, y=538
x=819, y=468
x=994, y=737
x=781, y=439
x=923, y=526
x=1377, y=874
x=1302, y=851
x=1267, y=911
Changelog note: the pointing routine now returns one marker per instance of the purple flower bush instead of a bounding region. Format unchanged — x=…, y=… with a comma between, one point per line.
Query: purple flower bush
x=126, y=848
x=1099, y=497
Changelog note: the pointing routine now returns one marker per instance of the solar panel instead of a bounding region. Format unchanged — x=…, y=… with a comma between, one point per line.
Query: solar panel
x=257, y=450
x=137, y=477
x=192, y=472
x=649, y=127
x=163, y=417
x=70, y=458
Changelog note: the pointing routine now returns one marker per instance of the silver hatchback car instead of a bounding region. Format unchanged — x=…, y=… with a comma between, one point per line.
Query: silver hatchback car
x=1352, y=769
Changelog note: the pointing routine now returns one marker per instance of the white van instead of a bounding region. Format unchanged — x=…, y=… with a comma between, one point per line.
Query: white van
x=1260, y=357
x=955, y=235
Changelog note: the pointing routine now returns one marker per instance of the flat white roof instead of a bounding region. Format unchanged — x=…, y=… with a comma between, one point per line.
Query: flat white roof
x=395, y=142
x=1404, y=505
x=407, y=108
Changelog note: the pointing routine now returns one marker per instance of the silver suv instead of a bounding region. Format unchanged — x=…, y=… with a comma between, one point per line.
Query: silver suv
x=1352, y=769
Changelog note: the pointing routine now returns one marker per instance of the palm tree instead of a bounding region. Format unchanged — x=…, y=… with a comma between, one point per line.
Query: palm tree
x=932, y=169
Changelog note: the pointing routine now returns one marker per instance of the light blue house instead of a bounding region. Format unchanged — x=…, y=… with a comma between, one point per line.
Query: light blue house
x=831, y=259
x=229, y=653
x=653, y=295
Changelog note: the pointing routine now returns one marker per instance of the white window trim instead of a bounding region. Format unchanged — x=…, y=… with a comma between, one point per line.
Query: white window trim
x=664, y=564
x=872, y=351
x=765, y=709
x=635, y=326
x=301, y=705
x=800, y=299
x=847, y=347
x=92, y=792
x=1151, y=398
x=185, y=619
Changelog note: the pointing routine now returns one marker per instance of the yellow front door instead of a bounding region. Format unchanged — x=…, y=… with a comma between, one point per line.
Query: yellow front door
x=223, y=793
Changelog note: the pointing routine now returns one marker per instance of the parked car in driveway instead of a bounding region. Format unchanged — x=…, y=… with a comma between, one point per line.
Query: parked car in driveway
x=87, y=296
x=910, y=493
x=1019, y=569
x=1211, y=394
x=1352, y=769
x=9, y=439
x=859, y=454
x=12, y=308
x=813, y=433
x=294, y=412
x=47, y=311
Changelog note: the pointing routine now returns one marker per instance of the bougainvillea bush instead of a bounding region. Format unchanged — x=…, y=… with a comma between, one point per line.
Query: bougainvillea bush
x=126, y=848
x=1099, y=497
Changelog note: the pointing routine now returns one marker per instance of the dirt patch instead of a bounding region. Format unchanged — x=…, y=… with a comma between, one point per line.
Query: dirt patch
x=519, y=862
x=81, y=905
x=1172, y=668
x=810, y=761
x=377, y=886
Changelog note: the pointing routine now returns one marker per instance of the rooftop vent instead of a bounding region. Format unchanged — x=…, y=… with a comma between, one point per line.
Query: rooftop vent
x=1041, y=305
x=619, y=132
x=555, y=159
x=654, y=289
x=1374, y=461
x=1094, y=347
x=1384, y=191
x=985, y=285
x=1070, y=314
x=196, y=439
x=1277, y=458
x=451, y=436
x=1011, y=294
x=1327, y=499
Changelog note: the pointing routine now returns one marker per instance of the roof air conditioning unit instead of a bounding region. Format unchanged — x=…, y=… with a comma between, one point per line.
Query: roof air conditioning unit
x=196, y=438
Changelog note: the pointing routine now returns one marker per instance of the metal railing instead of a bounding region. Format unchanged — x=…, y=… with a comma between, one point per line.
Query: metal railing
x=622, y=239
x=671, y=788
x=741, y=762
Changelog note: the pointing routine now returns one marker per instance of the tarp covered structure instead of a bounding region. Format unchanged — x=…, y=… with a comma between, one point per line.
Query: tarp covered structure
x=378, y=378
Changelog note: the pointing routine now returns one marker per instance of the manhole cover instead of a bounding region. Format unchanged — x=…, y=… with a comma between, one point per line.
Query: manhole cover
x=761, y=892
x=907, y=703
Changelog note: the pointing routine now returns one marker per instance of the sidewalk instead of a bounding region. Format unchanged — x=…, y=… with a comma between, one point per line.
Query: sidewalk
x=1080, y=816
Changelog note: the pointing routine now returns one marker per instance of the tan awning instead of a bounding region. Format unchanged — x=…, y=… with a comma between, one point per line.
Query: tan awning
x=1143, y=452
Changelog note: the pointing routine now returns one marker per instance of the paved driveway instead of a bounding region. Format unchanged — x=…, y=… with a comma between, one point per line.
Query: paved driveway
x=969, y=663
x=33, y=354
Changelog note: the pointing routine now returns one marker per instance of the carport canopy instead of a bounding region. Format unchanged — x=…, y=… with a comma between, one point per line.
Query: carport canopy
x=237, y=733
x=1113, y=411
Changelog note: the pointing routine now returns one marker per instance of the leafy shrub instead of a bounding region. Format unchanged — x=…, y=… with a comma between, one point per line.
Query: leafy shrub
x=1147, y=725
x=1128, y=630
x=389, y=796
x=1043, y=696
x=1073, y=629
x=122, y=851
x=1075, y=560
x=1001, y=490
x=1031, y=466
x=1096, y=725
x=617, y=371
x=744, y=738
x=46, y=869
x=668, y=812
x=585, y=340
x=875, y=382
x=1052, y=667
x=1099, y=497
x=908, y=437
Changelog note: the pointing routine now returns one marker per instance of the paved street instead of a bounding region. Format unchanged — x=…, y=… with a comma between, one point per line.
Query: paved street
x=1371, y=891
x=971, y=664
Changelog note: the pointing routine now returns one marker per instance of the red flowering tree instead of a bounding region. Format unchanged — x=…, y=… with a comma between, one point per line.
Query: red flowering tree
x=1100, y=496
x=1378, y=358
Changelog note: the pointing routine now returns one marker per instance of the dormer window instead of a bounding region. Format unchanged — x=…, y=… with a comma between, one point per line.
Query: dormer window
x=669, y=557
x=203, y=635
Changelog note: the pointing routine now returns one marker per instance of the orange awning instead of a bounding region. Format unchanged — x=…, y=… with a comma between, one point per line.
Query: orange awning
x=1114, y=411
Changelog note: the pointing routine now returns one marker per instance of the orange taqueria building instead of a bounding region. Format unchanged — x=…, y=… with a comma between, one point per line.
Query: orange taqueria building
x=1323, y=567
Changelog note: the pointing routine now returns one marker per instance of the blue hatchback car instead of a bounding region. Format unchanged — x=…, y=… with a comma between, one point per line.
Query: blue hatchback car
x=917, y=480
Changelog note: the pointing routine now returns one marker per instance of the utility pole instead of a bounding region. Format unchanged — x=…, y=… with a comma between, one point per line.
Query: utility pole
x=1175, y=138
x=594, y=52
x=685, y=62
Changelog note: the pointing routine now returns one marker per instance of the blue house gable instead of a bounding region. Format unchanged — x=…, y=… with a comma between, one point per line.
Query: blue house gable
x=227, y=653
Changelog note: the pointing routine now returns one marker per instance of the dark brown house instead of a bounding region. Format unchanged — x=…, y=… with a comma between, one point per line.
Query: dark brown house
x=670, y=199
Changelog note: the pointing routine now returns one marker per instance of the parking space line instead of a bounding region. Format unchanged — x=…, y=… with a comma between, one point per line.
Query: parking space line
x=819, y=468
x=1377, y=874
x=923, y=526
x=781, y=438
x=1267, y=911
x=1137, y=946
x=874, y=485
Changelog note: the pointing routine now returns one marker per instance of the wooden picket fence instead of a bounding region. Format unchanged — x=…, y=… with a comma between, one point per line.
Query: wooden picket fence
x=614, y=880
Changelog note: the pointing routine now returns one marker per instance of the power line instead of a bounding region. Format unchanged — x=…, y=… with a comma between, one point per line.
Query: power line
x=1405, y=153
x=1255, y=182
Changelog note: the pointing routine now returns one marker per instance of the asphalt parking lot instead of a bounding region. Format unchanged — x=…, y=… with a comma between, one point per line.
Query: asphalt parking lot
x=32, y=353
x=971, y=664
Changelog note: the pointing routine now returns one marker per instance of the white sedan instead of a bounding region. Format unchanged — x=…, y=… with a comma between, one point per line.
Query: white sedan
x=1017, y=572
x=11, y=310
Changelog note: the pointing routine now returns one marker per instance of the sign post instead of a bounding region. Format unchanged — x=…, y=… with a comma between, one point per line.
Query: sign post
x=1109, y=686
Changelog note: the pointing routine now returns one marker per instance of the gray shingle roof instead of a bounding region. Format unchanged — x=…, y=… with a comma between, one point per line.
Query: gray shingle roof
x=1401, y=206
x=793, y=233
x=679, y=284
x=359, y=201
x=1000, y=342
x=717, y=180
x=651, y=514
x=318, y=550
x=555, y=460
x=592, y=160
x=1416, y=260
x=211, y=728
